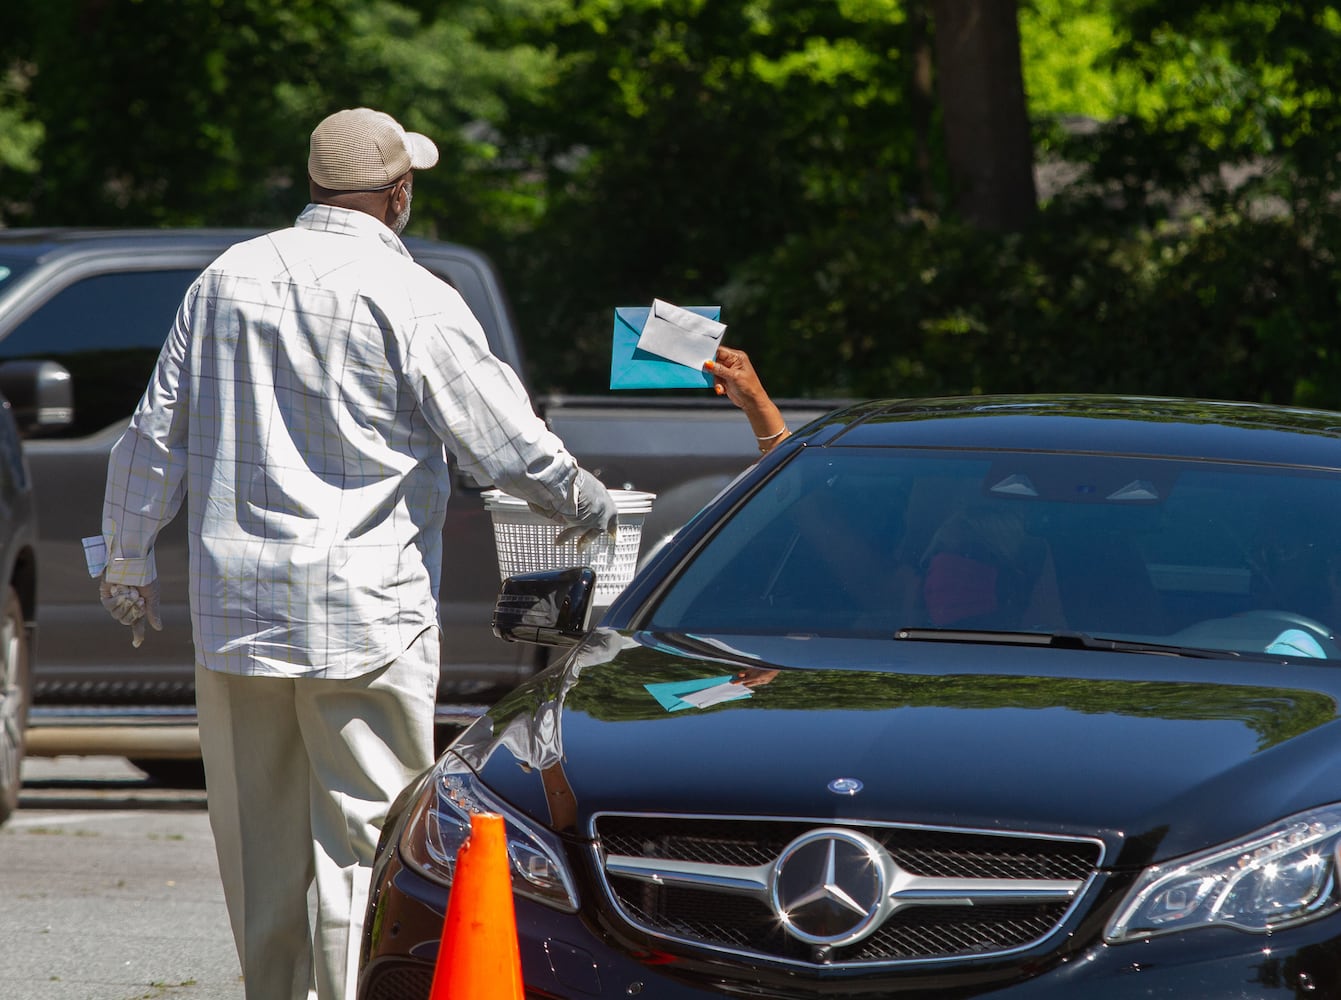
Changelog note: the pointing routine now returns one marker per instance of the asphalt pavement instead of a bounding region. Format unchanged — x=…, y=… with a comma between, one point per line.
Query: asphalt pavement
x=109, y=889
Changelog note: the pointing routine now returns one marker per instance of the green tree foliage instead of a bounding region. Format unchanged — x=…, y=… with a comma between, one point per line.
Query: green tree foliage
x=1067, y=49
x=1172, y=254
x=198, y=111
x=782, y=157
x=1222, y=306
x=20, y=132
x=153, y=114
x=1248, y=77
x=20, y=136
x=681, y=137
x=1188, y=249
x=1221, y=170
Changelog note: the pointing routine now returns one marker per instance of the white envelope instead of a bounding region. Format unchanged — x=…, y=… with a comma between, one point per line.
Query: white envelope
x=679, y=335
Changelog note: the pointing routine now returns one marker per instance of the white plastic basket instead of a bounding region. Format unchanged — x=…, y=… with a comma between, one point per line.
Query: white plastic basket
x=525, y=541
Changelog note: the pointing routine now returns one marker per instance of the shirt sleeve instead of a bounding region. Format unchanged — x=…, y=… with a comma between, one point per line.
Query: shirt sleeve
x=478, y=406
x=146, y=472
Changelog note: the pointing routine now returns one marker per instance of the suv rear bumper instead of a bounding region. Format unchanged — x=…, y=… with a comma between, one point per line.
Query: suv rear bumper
x=150, y=731
x=167, y=731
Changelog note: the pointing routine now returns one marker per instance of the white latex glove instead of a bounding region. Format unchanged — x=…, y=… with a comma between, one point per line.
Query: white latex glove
x=596, y=512
x=132, y=606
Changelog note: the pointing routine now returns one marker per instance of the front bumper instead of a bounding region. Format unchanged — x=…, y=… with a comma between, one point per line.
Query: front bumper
x=564, y=957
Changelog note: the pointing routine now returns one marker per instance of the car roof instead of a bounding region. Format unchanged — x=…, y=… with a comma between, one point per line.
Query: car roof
x=1093, y=424
x=40, y=244
x=37, y=244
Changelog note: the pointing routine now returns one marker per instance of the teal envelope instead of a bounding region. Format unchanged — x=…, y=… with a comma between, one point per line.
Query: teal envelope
x=631, y=368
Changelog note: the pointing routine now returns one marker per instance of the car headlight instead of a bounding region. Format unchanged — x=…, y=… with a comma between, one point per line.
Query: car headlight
x=440, y=824
x=1281, y=875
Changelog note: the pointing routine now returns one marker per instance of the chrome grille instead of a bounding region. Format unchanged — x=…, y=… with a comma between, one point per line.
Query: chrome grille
x=954, y=932
x=971, y=854
x=701, y=881
x=729, y=841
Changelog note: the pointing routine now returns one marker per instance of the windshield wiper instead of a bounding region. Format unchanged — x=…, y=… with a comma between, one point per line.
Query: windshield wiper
x=1062, y=640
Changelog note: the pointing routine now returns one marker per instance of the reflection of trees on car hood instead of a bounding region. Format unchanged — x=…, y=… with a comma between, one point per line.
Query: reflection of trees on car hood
x=615, y=692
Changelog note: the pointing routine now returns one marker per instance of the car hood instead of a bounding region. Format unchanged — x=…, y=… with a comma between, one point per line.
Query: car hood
x=1158, y=755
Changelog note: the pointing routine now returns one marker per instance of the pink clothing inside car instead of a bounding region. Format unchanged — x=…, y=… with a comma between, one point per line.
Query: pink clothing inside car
x=956, y=588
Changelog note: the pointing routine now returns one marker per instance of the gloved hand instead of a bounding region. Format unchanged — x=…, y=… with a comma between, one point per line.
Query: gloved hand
x=132, y=606
x=596, y=512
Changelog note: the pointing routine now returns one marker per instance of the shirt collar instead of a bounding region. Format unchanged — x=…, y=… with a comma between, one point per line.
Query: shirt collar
x=348, y=222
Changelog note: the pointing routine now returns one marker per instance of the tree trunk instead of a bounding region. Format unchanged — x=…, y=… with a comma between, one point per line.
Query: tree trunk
x=988, y=147
x=922, y=101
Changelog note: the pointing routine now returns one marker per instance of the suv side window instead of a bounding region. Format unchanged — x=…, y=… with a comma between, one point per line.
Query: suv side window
x=107, y=331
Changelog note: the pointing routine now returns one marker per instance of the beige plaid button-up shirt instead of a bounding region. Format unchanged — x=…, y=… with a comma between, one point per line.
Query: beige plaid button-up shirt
x=301, y=405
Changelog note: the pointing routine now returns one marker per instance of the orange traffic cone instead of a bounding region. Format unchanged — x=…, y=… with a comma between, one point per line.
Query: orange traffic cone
x=479, y=958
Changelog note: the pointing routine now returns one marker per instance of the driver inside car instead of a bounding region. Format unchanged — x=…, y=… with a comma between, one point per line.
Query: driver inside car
x=983, y=570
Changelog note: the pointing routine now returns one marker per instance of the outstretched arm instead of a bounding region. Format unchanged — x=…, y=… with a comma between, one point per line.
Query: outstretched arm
x=736, y=378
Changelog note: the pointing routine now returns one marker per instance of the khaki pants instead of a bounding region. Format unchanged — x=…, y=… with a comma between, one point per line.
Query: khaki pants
x=300, y=774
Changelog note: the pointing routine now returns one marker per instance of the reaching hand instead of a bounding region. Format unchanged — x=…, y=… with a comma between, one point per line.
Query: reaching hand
x=734, y=375
x=133, y=606
x=597, y=513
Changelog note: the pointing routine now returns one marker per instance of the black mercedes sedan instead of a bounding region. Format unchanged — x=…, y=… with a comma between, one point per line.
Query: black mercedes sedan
x=1033, y=698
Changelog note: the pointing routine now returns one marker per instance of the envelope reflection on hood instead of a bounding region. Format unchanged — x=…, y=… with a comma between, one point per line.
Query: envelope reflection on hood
x=705, y=692
x=633, y=368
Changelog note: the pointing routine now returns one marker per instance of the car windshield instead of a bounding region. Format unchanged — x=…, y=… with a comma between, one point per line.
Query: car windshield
x=869, y=542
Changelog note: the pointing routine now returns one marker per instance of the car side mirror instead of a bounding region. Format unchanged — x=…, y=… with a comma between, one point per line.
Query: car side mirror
x=551, y=608
x=40, y=395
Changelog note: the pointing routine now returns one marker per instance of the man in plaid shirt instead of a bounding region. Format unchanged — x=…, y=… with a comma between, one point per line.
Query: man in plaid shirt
x=302, y=407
